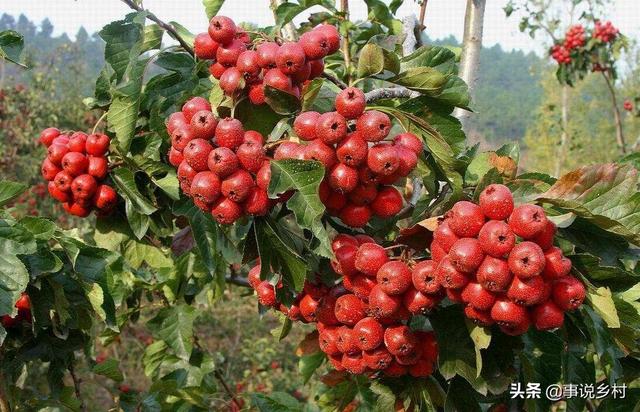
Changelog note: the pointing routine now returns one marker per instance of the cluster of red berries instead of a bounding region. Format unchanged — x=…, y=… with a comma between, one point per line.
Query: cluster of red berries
x=24, y=313
x=76, y=167
x=628, y=106
x=362, y=321
x=605, y=32
x=575, y=37
x=222, y=167
x=361, y=167
x=501, y=263
x=239, y=65
x=561, y=54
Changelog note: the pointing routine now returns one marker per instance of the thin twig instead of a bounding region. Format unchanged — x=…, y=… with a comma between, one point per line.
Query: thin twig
x=95, y=126
x=237, y=281
x=333, y=79
x=415, y=196
x=423, y=12
x=169, y=28
x=390, y=93
x=616, y=114
x=346, y=51
x=219, y=376
x=76, y=385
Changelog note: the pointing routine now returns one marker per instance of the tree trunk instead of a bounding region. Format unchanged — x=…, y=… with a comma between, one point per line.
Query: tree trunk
x=346, y=51
x=471, y=46
x=288, y=31
x=616, y=114
x=564, y=137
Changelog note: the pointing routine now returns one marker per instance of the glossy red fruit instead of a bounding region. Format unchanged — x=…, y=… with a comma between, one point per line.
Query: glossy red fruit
x=349, y=310
x=399, y=340
x=196, y=154
x=83, y=187
x=383, y=159
x=494, y=275
x=377, y=359
x=556, y=264
x=332, y=35
x=231, y=81
x=229, y=133
x=267, y=54
x=305, y=125
x=481, y=318
x=417, y=302
x=437, y=252
x=466, y=219
x=217, y=70
x=382, y=305
x=449, y=277
x=263, y=177
x=496, y=202
x=257, y=202
x=205, y=47
x=410, y=141
x=308, y=306
x=444, y=236
x=526, y=260
x=496, y=238
x=203, y=125
x=226, y=211
x=63, y=181
x=568, y=293
x=223, y=162
x=176, y=120
x=254, y=276
x=76, y=209
x=75, y=163
x=466, y=255
x=394, y=277
x=315, y=44
x=23, y=302
x=478, y=297
x=62, y=139
x=527, y=292
x=408, y=161
x=373, y=125
x=335, y=202
x=181, y=137
x=369, y=333
x=266, y=294
x=508, y=314
x=347, y=341
x=331, y=127
x=343, y=178
x=222, y=29
x=424, y=277
x=251, y=156
x=363, y=195
x=317, y=68
x=56, y=152
x=288, y=150
x=49, y=170
x=355, y=216
x=205, y=187
x=396, y=370
x=290, y=58
x=247, y=64
x=367, y=177
x=98, y=167
x=544, y=239
x=346, y=259
x=47, y=136
x=97, y=144
x=422, y=368
x=343, y=239
x=527, y=221
x=236, y=187
x=77, y=142
x=58, y=194
x=193, y=106
x=105, y=197
x=253, y=137
x=353, y=363
x=359, y=284
x=370, y=258
x=547, y=316
x=325, y=313
x=350, y=103
x=256, y=93
x=321, y=152
x=352, y=151
x=185, y=176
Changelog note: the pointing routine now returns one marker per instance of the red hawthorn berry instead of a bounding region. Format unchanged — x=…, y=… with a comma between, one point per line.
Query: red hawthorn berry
x=217, y=70
x=556, y=264
x=353, y=363
x=181, y=137
x=254, y=276
x=369, y=333
x=408, y=161
x=370, y=258
x=382, y=305
x=289, y=150
x=77, y=142
x=466, y=255
x=278, y=80
x=321, y=152
x=359, y=284
x=343, y=178
x=57, y=194
x=315, y=44
x=56, y=152
x=526, y=260
x=449, y=277
x=568, y=293
x=527, y=292
x=383, y=159
x=350, y=103
x=444, y=236
x=399, y=340
x=231, y=81
x=229, y=133
x=76, y=209
x=481, y=318
x=47, y=136
x=251, y=156
x=236, y=187
x=257, y=202
x=263, y=177
x=266, y=294
x=496, y=238
x=363, y=195
x=478, y=297
x=394, y=277
x=290, y=58
x=332, y=35
x=205, y=187
x=228, y=54
x=331, y=127
x=352, y=151
x=466, y=219
x=63, y=181
x=267, y=54
x=247, y=64
x=366, y=176
x=424, y=278
x=347, y=340
x=326, y=311
x=343, y=239
x=83, y=187
x=226, y=211
x=253, y=137
x=508, y=314
x=418, y=303
x=544, y=239
x=328, y=339
x=105, y=197
x=62, y=139
x=349, y=310
x=223, y=161
x=410, y=141
x=346, y=259
x=373, y=125
x=222, y=29
x=305, y=125
x=527, y=221
x=437, y=252
x=387, y=203
x=98, y=167
x=355, y=216
x=205, y=47
x=203, y=125
x=97, y=144
x=377, y=359
x=308, y=306
x=317, y=68
x=256, y=93
x=496, y=202
x=547, y=316
x=23, y=303
x=196, y=154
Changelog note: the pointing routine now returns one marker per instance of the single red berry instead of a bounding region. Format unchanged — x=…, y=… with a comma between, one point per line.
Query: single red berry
x=254, y=276
x=417, y=302
x=289, y=150
x=373, y=125
x=278, y=80
x=205, y=187
x=236, y=187
x=508, y=314
x=328, y=340
x=547, y=316
x=410, y=141
x=331, y=127
x=496, y=238
x=196, y=154
x=76, y=209
x=231, y=81
x=75, y=163
x=222, y=29
x=408, y=161
x=83, y=187
x=321, y=152
x=63, y=181
x=181, y=137
x=229, y=133
x=56, y=152
x=205, y=47
x=370, y=258
x=347, y=340
x=479, y=317
x=369, y=333
x=377, y=359
x=226, y=211
x=343, y=178
x=346, y=259
x=568, y=293
x=77, y=142
x=97, y=144
x=449, y=277
x=256, y=93
x=217, y=70
x=317, y=68
x=58, y=194
x=251, y=156
x=466, y=255
x=47, y=136
x=466, y=219
x=366, y=176
x=315, y=44
x=349, y=310
x=308, y=306
x=267, y=54
x=424, y=277
x=332, y=35
x=526, y=260
x=396, y=370
x=290, y=58
x=185, y=176
x=382, y=305
x=257, y=202
x=193, y=106
x=98, y=167
x=496, y=202
x=223, y=161
x=253, y=137
x=305, y=125
x=399, y=340
x=266, y=294
x=359, y=285
x=355, y=216
x=350, y=103
x=105, y=197
x=343, y=239
x=527, y=221
x=248, y=65
x=23, y=302
x=353, y=363
x=263, y=177
x=556, y=264
x=527, y=292
x=394, y=277
x=383, y=159
x=353, y=150
x=544, y=239
x=444, y=236
x=478, y=297
x=203, y=125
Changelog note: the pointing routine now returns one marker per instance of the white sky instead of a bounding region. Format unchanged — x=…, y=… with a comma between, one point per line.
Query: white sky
x=444, y=17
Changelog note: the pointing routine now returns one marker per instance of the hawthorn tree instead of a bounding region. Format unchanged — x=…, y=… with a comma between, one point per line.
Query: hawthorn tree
x=159, y=253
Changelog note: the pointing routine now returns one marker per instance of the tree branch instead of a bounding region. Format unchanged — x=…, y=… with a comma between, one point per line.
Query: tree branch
x=346, y=51
x=169, y=28
x=390, y=93
x=616, y=114
x=238, y=281
x=76, y=386
x=288, y=31
x=423, y=12
x=335, y=80
x=4, y=402
x=220, y=378
x=409, y=25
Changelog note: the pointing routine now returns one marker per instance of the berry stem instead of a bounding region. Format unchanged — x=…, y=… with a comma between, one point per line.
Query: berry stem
x=390, y=93
x=335, y=80
x=76, y=386
x=220, y=378
x=95, y=126
x=169, y=28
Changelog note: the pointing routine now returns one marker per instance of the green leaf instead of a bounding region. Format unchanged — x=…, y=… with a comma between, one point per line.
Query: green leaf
x=13, y=281
x=110, y=369
x=212, y=7
x=287, y=11
x=460, y=397
x=11, y=45
x=486, y=161
x=183, y=32
x=481, y=338
x=304, y=177
x=40, y=228
x=606, y=195
x=602, y=301
x=174, y=325
x=370, y=61
x=426, y=80
x=308, y=364
x=281, y=102
x=283, y=330
x=127, y=188
x=386, y=399
x=276, y=401
x=10, y=190
x=455, y=92
x=169, y=184
x=152, y=38
x=541, y=363
x=440, y=58
x=260, y=118
x=123, y=43
x=311, y=92
x=606, y=348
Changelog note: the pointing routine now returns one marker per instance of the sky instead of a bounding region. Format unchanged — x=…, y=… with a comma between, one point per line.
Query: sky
x=444, y=17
